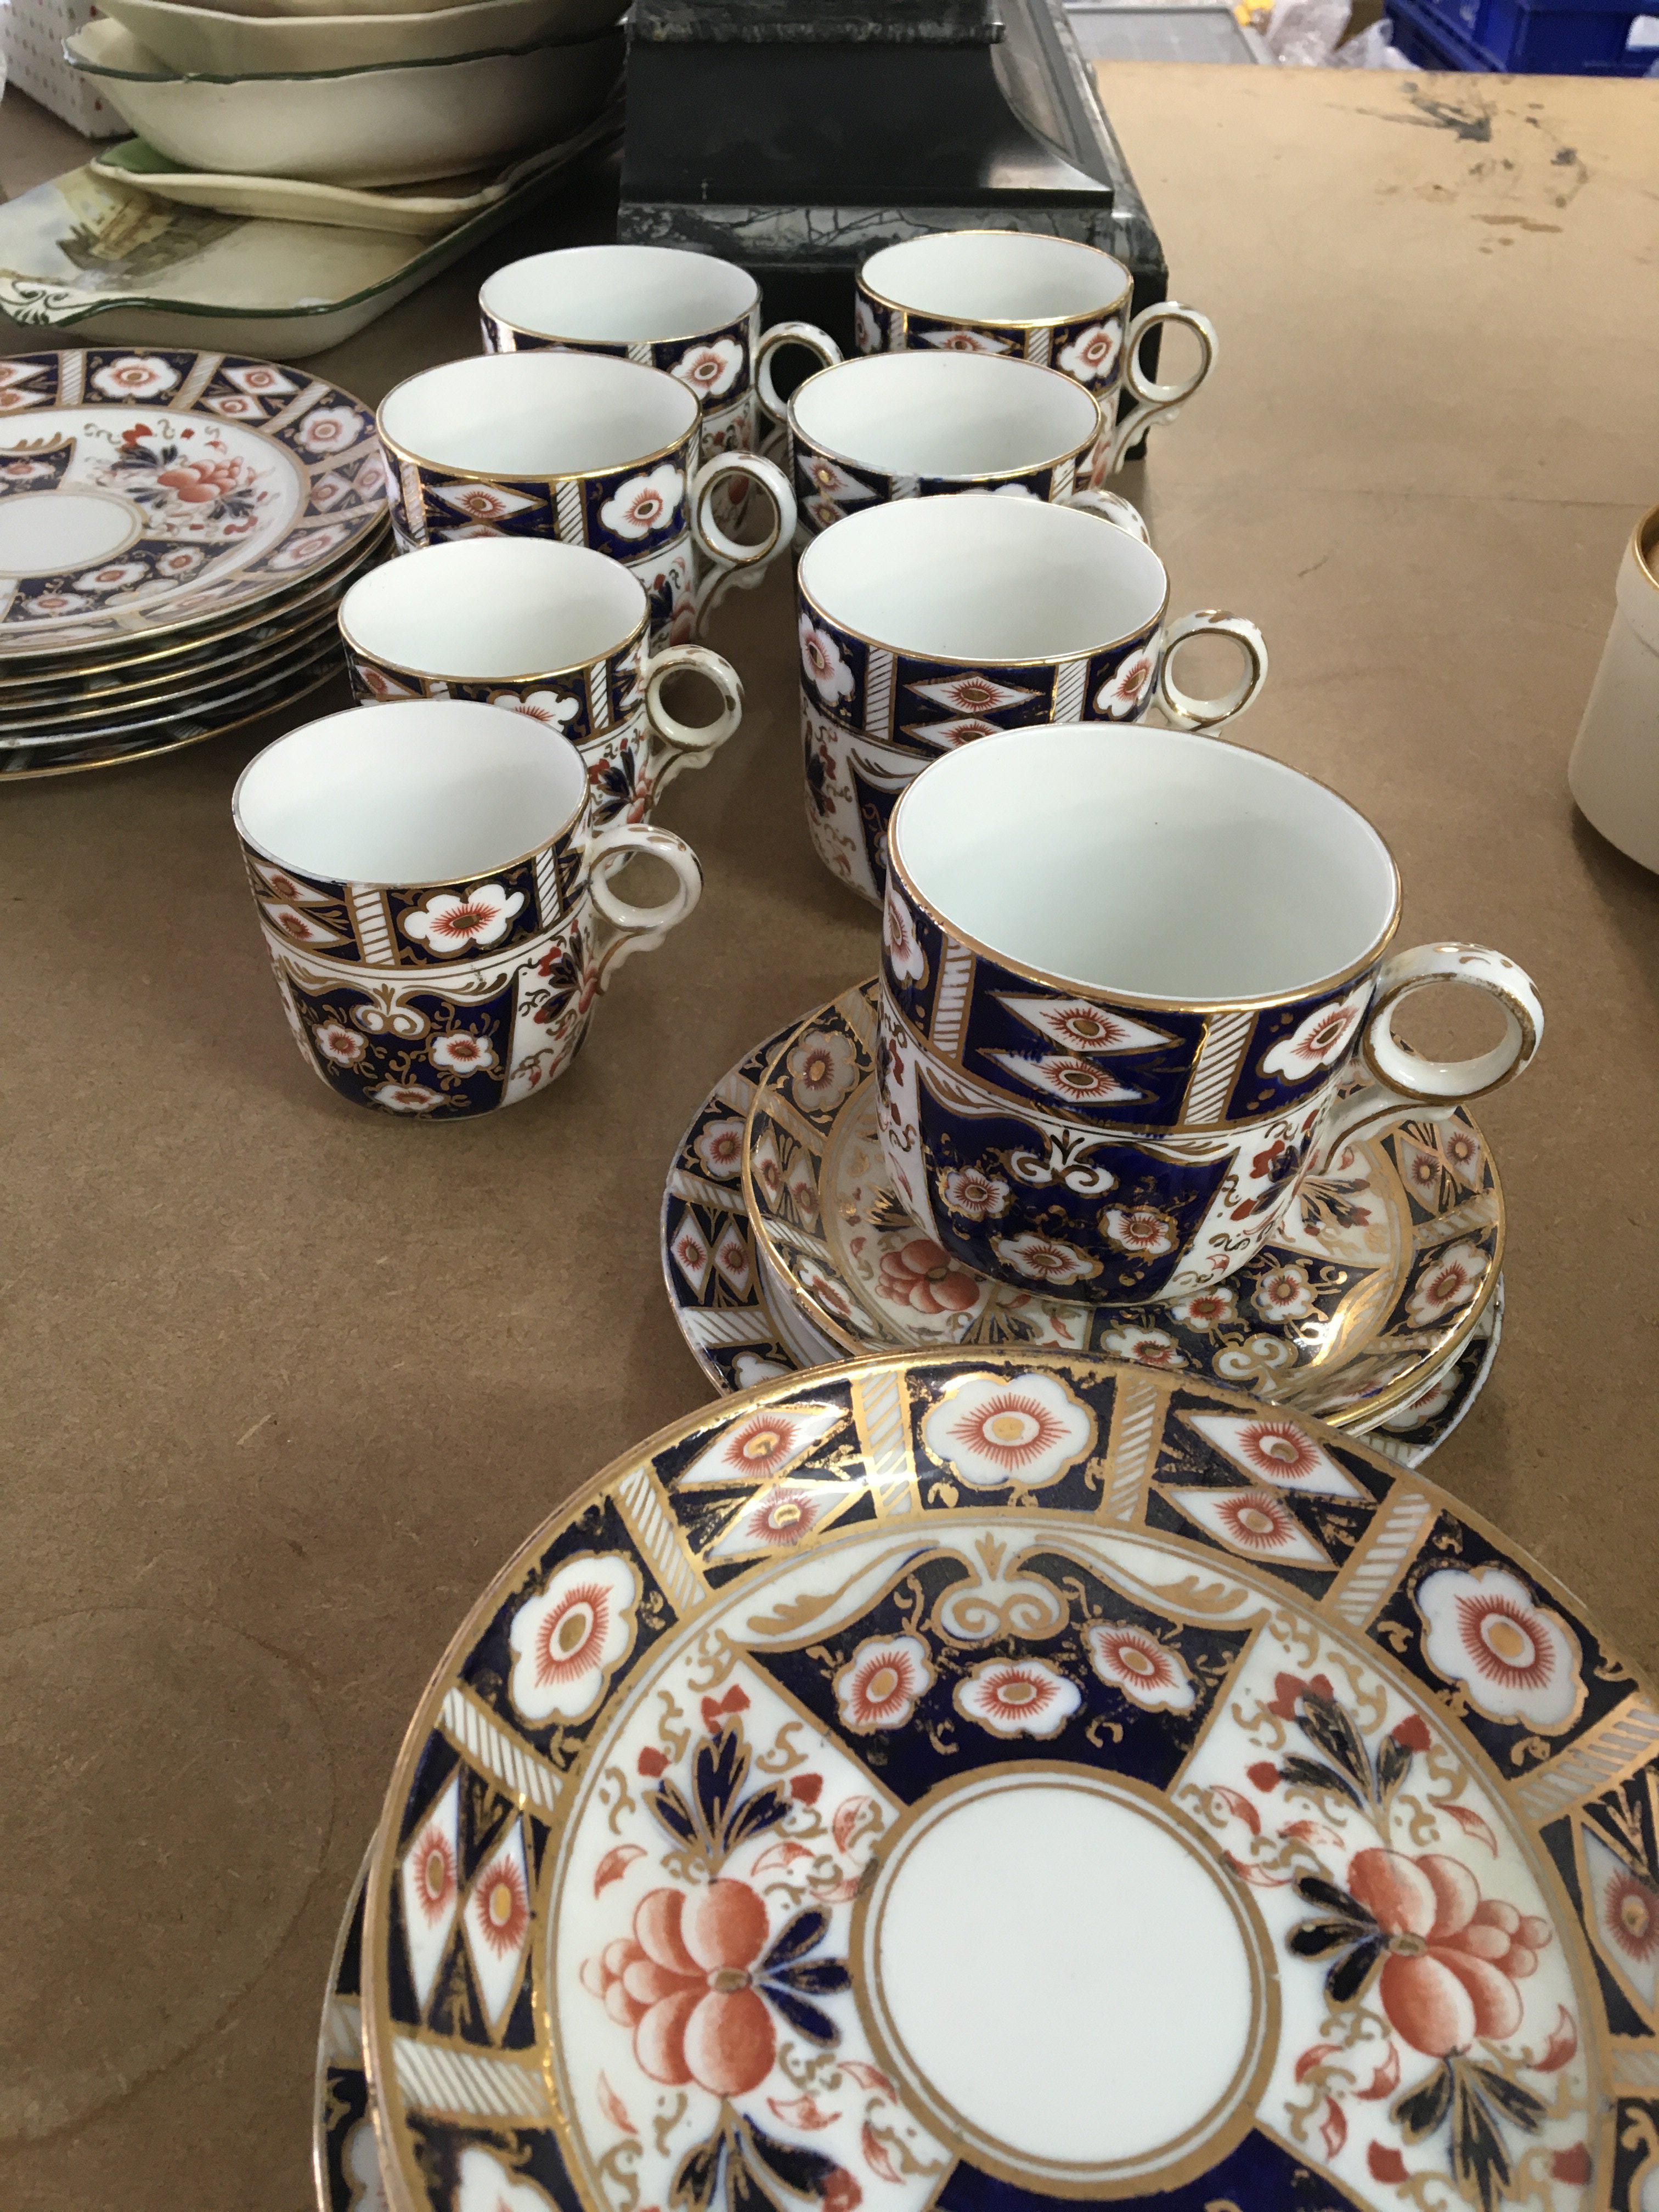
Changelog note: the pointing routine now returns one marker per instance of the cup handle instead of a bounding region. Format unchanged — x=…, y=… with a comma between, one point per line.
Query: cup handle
x=729, y=562
x=1109, y=507
x=638, y=929
x=1183, y=712
x=782, y=334
x=1155, y=398
x=1397, y=1079
x=694, y=743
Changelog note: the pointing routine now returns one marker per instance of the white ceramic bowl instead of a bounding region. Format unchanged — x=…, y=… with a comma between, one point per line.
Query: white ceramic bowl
x=210, y=42
x=364, y=126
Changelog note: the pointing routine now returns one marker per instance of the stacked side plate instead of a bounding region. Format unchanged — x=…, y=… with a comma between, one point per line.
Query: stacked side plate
x=176, y=529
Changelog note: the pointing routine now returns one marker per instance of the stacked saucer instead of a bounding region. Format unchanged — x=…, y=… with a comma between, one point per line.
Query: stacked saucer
x=176, y=529
x=1376, y=1307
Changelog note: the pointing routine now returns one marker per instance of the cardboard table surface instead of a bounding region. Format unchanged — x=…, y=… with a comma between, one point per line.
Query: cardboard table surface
x=283, y=1382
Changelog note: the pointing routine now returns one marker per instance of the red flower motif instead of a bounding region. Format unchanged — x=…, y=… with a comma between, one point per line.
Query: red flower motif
x=1385, y=2163
x=434, y=1872
x=922, y=1275
x=714, y=1710
x=1263, y=1776
x=681, y=1983
x=1287, y=1688
x=806, y=1789
x=1571, y=2166
x=1454, y=1958
x=1412, y=1734
x=1630, y=1908
x=501, y=1907
x=199, y=483
x=653, y=1762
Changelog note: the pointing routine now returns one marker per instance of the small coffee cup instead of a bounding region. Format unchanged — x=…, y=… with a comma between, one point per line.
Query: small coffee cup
x=1053, y=301
x=909, y=425
x=1135, y=988
x=925, y=623
x=436, y=902
x=695, y=317
x=584, y=448
x=547, y=630
x=1614, y=773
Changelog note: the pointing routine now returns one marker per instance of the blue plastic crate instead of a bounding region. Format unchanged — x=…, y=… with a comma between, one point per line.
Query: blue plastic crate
x=1560, y=37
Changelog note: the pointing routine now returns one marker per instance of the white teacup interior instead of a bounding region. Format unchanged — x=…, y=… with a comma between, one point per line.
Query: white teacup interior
x=537, y=414
x=984, y=577
x=944, y=415
x=425, y=791
x=491, y=608
x=1147, y=861
x=619, y=295
x=997, y=276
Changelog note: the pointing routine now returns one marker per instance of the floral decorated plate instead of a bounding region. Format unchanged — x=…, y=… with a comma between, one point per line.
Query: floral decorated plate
x=148, y=489
x=988, y=1778
x=344, y=2161
x=741, y=1325
x=1375, y=1282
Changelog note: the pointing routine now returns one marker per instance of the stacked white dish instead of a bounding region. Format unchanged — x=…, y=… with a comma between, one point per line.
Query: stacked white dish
x=364, y=98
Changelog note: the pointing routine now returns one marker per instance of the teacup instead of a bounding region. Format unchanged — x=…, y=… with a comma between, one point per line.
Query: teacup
x=906, y=425
x=689, y=315
x=1134, y=991
x=549, y=630
x=436, y=902
x=584, y=448
x=1053, y=301
x=925, y=623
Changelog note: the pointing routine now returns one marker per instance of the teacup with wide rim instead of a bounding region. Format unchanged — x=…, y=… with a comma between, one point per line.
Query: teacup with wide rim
x=544, y=629
x=1135, y=985
x=1036, y=297
x=436, y=902
x=926, y=625
x=581, y=447
x=909, y=425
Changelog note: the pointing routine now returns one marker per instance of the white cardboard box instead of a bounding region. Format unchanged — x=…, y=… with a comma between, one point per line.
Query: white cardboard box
x=34, y=31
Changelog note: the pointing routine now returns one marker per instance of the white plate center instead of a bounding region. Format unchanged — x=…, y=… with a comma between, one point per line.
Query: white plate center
x=42, y=533
x=1060, y=1969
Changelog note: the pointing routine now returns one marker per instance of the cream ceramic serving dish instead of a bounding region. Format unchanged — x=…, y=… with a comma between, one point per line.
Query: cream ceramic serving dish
x=422, y=210
x=355, y=126
x=211, y=42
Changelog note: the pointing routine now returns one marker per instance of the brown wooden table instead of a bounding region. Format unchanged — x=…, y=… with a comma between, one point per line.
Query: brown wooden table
x=283, y=1383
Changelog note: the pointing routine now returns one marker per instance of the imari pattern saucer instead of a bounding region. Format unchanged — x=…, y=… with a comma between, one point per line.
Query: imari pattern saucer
x=147, y=489
x=742, y=1322
x=344, y=2161
x=988, y=1779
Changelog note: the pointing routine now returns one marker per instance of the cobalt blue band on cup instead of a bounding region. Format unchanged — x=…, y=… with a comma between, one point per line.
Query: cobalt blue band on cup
x=547, y=630
x=1028, y=296
x=927, y=624
x=581, y=447
x=909, y=425
x=1134, y=989
x=693, y=316
x=430, y=962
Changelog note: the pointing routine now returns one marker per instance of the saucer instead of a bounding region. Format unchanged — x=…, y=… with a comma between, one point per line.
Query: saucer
x=742, y=1325
x=975, y=1778
x=1372, y=1285
x=345, y=2165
